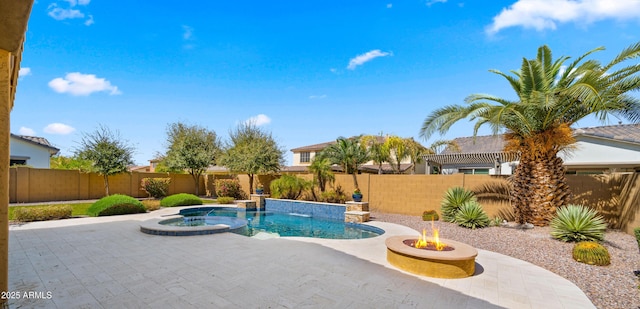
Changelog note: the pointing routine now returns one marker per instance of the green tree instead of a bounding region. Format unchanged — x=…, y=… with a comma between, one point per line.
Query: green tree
x=399, y=151
x=252, y=151
x=192, y=148
x=378, y=151
x=415, y=152
x=107, y=151
x=60, y=162
x=552, y=96
x=320, y=167
x=348, y=153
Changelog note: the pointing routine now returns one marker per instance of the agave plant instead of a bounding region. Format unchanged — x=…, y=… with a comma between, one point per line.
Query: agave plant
x=577, y=223
x=453, y=199
x=471, y=215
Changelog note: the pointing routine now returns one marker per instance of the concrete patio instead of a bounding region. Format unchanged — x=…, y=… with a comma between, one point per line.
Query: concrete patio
x=108, y=263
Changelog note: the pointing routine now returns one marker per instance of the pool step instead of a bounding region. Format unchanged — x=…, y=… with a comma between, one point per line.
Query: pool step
x=356, y=216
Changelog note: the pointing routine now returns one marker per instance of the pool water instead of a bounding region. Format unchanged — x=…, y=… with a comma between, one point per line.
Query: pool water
x=281, y=224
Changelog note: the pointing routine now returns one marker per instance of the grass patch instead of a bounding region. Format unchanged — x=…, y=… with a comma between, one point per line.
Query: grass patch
x=116, y=204
x=35, y=213
x=180, y=199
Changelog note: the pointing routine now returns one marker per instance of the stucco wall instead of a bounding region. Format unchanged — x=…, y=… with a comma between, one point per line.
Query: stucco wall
x=38, y=156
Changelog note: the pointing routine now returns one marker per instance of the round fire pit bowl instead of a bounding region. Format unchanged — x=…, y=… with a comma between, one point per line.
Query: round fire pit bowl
x=457, y=263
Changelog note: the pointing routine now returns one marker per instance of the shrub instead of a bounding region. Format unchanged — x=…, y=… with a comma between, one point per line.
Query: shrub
x=151, y=205
x=116, y=204
x=230, y=187
x=180, y=199
x=636, y=231
x=336, y=196
x=289, y=187
x=453, y=199
x=592, y=253
x=471, y=215
x=577, y=223
x=225, y=200
x=34, y=213
x=156, y=187
x=430, y=215
x=496, y=221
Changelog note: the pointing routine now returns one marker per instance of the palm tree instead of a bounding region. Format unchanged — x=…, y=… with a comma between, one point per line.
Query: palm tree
x=321, y=169
x=348, y=153
x=551, y=98
x=379, y=152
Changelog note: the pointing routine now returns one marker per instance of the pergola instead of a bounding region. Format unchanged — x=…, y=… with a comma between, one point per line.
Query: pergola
x=14, y=16
x=469, y=159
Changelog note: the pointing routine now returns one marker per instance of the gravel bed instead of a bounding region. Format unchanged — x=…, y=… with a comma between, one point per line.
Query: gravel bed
x=614, y=286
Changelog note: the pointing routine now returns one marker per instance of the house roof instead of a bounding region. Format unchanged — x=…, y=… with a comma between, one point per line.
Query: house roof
x=485, y=149
x=39, y=141
x=318, y=147
x=622, y=132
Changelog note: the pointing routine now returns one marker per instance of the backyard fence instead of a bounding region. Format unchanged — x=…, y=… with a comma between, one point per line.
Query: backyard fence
x=615, y=196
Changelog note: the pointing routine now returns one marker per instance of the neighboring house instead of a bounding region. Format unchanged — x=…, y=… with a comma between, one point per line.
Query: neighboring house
x=31, y=150
x=302, y=157
x=597, y=150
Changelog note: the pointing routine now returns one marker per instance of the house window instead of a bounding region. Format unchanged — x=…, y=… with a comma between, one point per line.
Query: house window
x=474, y=171
x=15, y=162
x=305, y=157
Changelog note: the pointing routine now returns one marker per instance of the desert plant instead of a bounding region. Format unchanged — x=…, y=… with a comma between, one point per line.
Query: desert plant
x=151, y=205
x=225, y=200
x=496, y=221
x=471, y=215
x=577, y=223
x=592, y=253
x=180, y=199
x=156, y=187
x=334, y=196
x=230, y=187
x=453, y=199
x=35, y=213
x=289, y=187
x=116, y=204
x=430, y=215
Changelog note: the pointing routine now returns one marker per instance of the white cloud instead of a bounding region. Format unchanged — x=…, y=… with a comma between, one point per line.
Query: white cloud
x=89, y=21
x=24, y=72
x=61, y=14
x=26, y=131
x=390, y=5
x=366, y=57
x=314, y=97
x=259, y=120
x=79, y=84
x=432, y=2
x=546, y=14
x=187, y=33
x=58, y=128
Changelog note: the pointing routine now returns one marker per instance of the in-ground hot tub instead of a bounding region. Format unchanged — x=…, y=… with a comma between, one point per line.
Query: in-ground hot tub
x=455, y=260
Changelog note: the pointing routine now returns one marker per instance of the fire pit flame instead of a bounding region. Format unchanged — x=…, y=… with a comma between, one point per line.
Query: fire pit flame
x=423, y=243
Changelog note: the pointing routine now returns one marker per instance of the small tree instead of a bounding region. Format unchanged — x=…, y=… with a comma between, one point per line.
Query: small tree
x=252, y=151
x=399, y=151
x=60, y=162
x=348, y=153
x=107, y=151
x=191, y=148
x=378, y=150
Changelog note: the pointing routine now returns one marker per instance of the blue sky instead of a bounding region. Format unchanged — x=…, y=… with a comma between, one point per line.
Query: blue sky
x=307, y=71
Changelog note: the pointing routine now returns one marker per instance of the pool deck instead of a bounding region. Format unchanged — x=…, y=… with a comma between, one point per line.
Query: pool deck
x=108, y=263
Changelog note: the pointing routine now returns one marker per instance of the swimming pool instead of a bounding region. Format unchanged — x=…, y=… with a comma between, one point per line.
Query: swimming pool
x=278, y=224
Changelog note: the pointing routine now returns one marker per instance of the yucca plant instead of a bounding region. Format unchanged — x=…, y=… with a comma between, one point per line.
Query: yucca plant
x=577, y=223
x=471, y=215
x=453, y=199
x=592, y=253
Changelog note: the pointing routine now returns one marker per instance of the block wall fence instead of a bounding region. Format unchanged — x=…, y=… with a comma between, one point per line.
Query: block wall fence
x=615, y=196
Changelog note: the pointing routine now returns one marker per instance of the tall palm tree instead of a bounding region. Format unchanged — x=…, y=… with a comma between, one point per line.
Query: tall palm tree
x=551, y=98
x=378, y=151
x=348, y=153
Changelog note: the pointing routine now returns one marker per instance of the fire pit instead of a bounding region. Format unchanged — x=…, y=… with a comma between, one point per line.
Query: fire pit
x=431, y=256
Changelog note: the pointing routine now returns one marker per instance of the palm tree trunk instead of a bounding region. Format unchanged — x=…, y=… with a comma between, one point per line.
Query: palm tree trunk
x=540, y=187
x=355, y=180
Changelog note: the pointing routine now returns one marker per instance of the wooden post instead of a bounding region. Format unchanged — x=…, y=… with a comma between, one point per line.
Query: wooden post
x=5, y=110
